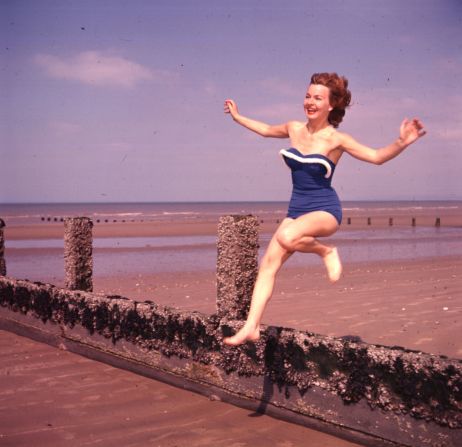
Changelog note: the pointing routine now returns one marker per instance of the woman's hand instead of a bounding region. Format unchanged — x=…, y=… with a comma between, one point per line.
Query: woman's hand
x=410, y=131
x=231, y=108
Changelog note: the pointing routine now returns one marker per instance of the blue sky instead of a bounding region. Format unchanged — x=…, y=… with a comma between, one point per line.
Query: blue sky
x=123, y=100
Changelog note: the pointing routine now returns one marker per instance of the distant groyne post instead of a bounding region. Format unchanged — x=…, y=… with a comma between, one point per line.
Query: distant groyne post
x=2, y=249
x=237, y=264
x=78, y=253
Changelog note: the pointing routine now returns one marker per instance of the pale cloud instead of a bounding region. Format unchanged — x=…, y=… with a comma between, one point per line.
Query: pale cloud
x=118, y=146
x=385, y=99
x=96, y=68
x=210, y=88
x=449, y=135
x=281, y=87
x=449, y=126
x=382, y=108
x=448, y=68
x=282, y=112
x=64, y=128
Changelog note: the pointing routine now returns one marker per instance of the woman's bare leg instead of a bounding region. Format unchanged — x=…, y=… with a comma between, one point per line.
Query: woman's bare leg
x=292, y=235
x=301, y=235
x=272, y=261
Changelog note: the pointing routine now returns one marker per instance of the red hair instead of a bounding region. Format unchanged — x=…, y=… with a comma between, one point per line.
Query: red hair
x=339, y=95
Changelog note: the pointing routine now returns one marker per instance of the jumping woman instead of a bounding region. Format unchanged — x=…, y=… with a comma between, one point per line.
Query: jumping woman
x=314, y=209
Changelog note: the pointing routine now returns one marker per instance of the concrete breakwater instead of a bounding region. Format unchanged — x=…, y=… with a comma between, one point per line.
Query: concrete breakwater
x=370, y=394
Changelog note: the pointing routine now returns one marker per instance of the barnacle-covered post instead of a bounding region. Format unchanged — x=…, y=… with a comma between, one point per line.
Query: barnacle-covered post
x=2, y=249
x=78, y=253
x=237, y=264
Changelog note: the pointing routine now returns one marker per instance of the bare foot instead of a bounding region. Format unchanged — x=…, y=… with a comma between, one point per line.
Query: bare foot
x=245, y=334
x=333, y=265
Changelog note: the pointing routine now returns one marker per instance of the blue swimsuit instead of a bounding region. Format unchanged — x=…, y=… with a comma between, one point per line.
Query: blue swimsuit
x=311, y=179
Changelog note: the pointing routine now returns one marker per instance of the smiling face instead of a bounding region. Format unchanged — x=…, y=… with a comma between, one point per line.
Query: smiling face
x=316, y=104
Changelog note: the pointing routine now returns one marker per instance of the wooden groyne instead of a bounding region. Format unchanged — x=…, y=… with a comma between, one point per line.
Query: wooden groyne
x=370, y=394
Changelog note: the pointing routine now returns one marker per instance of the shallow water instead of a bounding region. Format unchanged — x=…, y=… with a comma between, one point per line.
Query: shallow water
x=43, y=259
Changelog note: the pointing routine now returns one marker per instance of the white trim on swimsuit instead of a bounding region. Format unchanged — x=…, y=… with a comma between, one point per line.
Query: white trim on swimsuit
x=300, y=159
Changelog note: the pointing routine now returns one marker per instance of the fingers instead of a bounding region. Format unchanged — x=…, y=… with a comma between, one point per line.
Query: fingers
x=403, y=125
x=419, y=127
x=414, y=124
x=418, y=124
x=230, y=106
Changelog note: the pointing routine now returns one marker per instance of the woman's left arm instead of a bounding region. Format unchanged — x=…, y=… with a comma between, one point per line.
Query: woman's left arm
x=409, y=132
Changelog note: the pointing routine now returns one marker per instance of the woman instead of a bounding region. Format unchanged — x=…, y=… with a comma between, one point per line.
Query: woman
x=314, y=209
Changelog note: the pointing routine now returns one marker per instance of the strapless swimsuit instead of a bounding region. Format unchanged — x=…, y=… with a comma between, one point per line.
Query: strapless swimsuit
x=311, y=179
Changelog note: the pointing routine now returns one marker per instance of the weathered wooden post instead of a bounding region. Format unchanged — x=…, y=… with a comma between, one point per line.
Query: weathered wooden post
x=237, y=265
x=78, y=250
x=2, y=249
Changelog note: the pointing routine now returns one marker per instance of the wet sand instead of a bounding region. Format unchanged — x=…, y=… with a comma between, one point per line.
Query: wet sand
x=54, y=398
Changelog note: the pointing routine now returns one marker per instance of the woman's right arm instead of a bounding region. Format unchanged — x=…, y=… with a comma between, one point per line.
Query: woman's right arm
x=263, y=129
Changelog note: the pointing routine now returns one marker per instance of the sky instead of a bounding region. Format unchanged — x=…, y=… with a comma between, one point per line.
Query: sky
x=122, y=101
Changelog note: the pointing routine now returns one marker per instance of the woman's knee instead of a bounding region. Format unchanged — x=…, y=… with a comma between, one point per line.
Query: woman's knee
x=289, y=240
x=285, y=239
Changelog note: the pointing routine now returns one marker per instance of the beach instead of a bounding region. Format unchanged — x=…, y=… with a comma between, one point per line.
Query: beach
x=401, y=285
x=50, y=397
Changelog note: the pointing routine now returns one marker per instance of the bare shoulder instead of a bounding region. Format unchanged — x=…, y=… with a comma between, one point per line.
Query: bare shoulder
x=295, y=125
x=346, y=143
x=341, y=139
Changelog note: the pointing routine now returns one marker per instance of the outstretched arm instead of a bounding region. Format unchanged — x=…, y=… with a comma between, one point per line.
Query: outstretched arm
x=263, y=129
x=409, y=132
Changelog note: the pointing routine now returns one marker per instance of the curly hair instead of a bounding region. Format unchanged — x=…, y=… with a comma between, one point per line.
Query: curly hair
x=339, y=96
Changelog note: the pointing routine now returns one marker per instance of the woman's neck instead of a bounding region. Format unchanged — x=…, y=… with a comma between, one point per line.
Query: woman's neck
x=314, y=126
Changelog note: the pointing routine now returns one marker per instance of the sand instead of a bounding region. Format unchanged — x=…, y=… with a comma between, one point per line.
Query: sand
x=53, y=398
x=415, y=303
